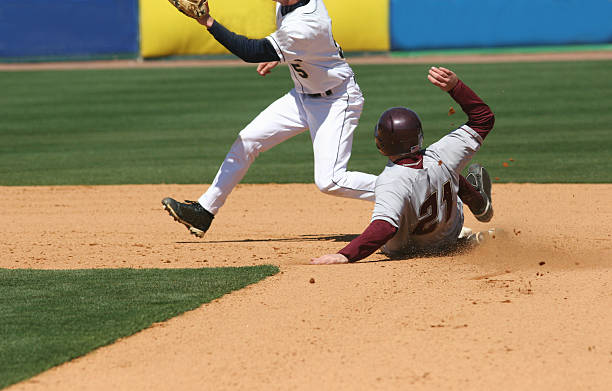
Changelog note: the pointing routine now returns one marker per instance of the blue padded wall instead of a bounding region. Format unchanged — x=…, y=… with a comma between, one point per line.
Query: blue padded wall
x=65, y=28
x=421, y=24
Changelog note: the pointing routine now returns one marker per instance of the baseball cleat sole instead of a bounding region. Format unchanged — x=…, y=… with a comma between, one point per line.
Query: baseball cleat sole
x=192, y=230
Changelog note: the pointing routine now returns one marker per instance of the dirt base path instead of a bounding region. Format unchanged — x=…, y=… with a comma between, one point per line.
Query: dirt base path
x=367, y=59
x=528, y=311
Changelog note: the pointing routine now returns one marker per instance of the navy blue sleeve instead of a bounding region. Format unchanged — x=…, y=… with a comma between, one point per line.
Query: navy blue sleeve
x=249, y=50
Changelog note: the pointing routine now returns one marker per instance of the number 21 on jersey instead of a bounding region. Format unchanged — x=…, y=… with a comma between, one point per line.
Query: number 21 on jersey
x=428, y=212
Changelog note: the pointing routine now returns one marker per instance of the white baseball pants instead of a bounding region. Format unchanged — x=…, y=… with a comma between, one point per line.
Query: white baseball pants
x=331, y=120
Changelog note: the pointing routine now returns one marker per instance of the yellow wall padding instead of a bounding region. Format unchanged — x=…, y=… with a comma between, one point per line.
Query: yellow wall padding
x=164, y=31
x=360, y=25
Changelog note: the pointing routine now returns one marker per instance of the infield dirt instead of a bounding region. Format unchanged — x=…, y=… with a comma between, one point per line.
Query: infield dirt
x=529, y=310
x=366, y=59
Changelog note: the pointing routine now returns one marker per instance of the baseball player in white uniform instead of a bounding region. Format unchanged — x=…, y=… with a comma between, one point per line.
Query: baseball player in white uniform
x=419, y=194
x=325, y=100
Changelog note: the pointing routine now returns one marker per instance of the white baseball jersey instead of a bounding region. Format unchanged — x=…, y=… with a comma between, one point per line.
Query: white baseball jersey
x=304, y=40
x=423, y=203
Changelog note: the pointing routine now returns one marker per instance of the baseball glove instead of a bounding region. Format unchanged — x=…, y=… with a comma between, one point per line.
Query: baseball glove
x=192, y=8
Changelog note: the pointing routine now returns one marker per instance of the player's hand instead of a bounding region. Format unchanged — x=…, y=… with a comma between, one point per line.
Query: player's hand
x=264, y=68
x=443, y=78
x=206, y=20
x=329, y=259
x=196, y=9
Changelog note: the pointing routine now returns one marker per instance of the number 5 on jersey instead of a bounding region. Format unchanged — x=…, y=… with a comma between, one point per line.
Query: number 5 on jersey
x=298, y=69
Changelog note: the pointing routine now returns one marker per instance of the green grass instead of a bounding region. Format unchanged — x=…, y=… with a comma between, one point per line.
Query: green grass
x=50, y=316
x=176, y=125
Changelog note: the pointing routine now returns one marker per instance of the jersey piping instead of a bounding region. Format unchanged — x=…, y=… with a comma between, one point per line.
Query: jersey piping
x=348, y=97
x=277, y=46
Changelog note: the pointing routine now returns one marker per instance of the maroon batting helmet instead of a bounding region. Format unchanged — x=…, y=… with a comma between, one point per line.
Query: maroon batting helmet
x=398, y=132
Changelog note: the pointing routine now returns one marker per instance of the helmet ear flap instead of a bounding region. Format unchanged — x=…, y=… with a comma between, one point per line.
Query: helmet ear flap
x=419, y=146
x=379, y=140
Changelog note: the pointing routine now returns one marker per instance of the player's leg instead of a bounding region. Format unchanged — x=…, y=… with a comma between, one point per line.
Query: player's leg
x=456, y=150
x=470, y=196
x=331, y=129
x=280, y=121
x=475, y=192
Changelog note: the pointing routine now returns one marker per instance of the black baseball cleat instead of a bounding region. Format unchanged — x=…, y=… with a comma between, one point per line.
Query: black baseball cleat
x=191, y=214
x=479, y=178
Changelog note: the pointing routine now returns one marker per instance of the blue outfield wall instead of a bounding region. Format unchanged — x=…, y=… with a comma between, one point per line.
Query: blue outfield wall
x=68, y=28
x=422, y=24
x=48, y=29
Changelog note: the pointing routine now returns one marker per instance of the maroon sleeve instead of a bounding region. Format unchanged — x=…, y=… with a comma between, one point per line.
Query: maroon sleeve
x=480, y=116
x=377, y=234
